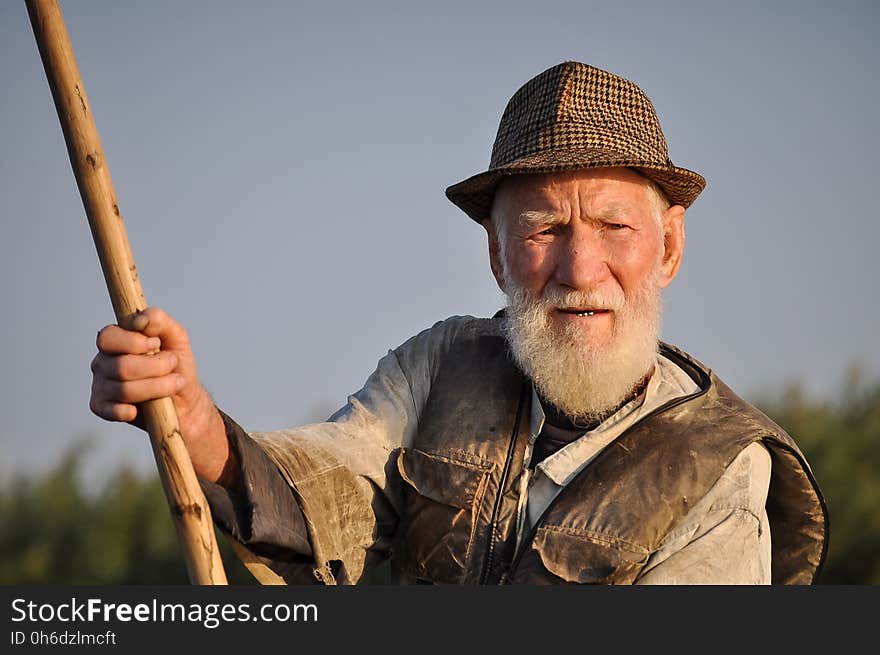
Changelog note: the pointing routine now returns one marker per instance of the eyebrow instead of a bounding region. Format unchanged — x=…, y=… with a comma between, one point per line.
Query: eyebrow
x=532, y=219
x=614, y=211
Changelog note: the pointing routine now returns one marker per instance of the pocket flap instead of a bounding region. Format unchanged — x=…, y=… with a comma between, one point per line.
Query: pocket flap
x=441, y=478
x=588, y=558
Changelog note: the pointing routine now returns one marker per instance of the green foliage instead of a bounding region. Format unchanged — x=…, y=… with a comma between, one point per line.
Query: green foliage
x=841, y=440
x=55, y=532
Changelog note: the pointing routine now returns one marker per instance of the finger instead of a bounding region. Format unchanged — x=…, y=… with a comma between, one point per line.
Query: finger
x=139, y=322
x=113, y=340
x=134, y=367
x=110, y=411
x=154, y=322
x=137, y=391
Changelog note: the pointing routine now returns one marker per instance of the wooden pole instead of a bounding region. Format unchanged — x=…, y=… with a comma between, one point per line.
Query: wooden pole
x=190, y=512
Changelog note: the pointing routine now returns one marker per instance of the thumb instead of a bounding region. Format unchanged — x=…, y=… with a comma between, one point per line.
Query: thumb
x=154, y=322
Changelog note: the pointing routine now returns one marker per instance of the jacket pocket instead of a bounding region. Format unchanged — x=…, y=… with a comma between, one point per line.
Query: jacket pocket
x=443, y=493
x=559, y=555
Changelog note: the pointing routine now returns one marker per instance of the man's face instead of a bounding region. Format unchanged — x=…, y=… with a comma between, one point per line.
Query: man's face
x=583, y=256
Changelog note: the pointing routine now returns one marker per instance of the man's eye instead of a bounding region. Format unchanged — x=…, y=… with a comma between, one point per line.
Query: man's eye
x=616, y=226
x=550, y=229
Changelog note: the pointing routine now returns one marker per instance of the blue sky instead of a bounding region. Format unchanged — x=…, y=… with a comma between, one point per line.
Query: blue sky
x=281, y=169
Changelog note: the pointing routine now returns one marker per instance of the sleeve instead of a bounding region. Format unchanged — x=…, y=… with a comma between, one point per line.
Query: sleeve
x=263, y=513
x=342, y=473
x=725, y=538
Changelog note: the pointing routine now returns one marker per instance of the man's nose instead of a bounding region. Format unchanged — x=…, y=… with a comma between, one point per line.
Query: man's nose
x=582, y=261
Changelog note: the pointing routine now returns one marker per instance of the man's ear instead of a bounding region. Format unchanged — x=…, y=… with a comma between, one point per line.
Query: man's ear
x=673, y=243
x=494, y=252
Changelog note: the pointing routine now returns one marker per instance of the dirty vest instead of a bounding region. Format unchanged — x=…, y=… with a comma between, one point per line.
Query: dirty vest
x=461, y=482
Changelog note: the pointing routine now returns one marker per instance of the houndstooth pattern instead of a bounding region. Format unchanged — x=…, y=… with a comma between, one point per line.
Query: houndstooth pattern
x=575, y=116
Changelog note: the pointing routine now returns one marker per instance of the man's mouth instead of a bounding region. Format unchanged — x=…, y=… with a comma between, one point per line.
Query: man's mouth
x=577, y=311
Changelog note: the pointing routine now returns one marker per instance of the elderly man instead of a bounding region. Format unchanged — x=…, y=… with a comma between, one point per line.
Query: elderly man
x=559, y=441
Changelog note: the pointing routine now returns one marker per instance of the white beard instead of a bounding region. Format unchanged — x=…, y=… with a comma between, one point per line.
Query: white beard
x=583, y=378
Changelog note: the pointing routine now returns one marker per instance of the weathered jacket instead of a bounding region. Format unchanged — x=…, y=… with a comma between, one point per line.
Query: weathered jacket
x=457, y=522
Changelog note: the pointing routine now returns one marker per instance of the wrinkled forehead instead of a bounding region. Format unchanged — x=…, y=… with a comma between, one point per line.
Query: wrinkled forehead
x=613, y=188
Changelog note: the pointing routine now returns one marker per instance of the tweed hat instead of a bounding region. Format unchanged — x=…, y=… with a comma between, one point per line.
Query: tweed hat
x=570, y=117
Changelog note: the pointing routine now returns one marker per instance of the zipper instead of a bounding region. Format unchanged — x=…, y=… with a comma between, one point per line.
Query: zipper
x=666, y=406
x=490, y=550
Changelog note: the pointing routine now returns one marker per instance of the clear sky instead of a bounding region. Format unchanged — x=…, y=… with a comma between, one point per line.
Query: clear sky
x=281, y=169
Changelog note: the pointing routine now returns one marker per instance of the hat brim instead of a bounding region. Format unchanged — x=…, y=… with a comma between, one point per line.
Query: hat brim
x=474, y=196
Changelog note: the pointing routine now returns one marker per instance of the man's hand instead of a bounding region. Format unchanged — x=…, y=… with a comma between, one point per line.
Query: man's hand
x=156, y=361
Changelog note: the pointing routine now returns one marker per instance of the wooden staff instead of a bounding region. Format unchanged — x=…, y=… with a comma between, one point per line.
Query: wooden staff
x=190, y=512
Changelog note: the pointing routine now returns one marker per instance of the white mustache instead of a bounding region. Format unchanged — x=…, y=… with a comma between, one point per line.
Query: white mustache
x=557, y=298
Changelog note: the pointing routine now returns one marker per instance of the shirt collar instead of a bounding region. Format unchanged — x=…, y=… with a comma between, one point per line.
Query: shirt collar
x=667, y=381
